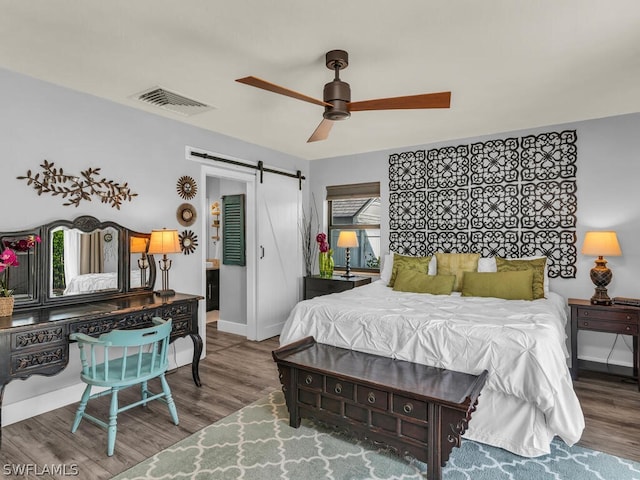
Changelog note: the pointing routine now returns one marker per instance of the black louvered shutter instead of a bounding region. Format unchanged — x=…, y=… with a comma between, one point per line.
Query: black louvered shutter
x=233, y=244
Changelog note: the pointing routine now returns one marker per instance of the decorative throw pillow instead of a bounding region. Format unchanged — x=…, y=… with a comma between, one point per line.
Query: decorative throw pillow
x=536, y=266
x=403, y=262
x=457, y=264
x=418, y=282
x=387, y=267
x=513, y=285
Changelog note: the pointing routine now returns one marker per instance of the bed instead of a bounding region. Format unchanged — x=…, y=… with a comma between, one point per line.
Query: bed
x=528, y=398
x=95, y=282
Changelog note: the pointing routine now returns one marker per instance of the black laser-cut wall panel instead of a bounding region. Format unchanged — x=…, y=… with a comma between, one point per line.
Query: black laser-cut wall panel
x=511, y=197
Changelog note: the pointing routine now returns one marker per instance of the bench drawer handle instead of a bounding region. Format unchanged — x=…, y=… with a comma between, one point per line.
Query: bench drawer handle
x=338, y=388
x=408, y=408
x=371, y=398
x=308, y=380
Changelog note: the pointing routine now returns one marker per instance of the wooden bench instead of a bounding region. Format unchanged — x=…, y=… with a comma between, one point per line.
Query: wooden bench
x=412, y=409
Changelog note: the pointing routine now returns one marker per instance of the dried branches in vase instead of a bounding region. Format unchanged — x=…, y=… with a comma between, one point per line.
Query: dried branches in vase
x=308, y=239
x=81, y=187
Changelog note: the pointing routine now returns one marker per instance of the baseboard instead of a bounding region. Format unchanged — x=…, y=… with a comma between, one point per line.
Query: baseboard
x=30, y=407
x=232, y=327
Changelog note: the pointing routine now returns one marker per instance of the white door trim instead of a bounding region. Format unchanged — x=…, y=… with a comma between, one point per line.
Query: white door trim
x=239, y=174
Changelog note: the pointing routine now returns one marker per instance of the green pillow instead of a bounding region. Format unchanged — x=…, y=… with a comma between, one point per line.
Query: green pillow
x=418, y=282
x=515, y=285
x=457, y=264
x=403, y=262
x=536, y=266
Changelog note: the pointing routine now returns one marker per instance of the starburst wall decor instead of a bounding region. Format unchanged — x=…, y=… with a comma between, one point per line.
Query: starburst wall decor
x=511, y=197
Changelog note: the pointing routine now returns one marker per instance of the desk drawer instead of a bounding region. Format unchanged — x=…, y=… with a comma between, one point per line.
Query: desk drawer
x=37, y=337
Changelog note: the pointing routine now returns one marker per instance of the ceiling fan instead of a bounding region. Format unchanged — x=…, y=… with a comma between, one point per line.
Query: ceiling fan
x=337, y=97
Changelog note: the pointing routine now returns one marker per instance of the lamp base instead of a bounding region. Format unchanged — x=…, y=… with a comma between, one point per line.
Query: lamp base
x=348, y=275
x=601, y=276
x=165, y=293
x=600, y=297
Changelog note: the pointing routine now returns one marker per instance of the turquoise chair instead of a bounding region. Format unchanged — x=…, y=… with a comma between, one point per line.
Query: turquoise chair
x=142, y=355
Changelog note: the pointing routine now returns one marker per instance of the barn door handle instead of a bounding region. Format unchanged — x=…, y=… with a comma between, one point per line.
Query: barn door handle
x=261, y=252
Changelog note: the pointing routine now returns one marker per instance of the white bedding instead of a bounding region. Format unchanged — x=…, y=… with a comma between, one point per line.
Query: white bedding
x=528, y=397
x=95, y=282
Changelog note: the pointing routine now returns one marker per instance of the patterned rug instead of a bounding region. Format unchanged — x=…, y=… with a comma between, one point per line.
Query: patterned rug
x=256, y=443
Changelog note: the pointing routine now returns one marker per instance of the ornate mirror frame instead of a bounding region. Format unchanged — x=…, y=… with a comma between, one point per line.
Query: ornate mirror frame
x=124, y=243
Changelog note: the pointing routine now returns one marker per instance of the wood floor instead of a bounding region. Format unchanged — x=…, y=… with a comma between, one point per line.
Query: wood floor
x=237, y=372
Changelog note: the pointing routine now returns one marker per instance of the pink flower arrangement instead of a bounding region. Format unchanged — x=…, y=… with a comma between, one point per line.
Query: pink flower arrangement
x=8, y=258
x=323, y=246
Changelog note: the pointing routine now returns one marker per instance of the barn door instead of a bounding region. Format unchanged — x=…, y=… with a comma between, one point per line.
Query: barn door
x=278, y=202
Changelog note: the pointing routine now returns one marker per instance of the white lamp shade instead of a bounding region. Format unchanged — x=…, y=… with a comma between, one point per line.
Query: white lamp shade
x=164, y=241
x=601, y=243
x=347, y=239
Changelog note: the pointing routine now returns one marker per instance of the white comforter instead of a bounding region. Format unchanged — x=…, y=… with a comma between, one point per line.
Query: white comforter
x=520, y=343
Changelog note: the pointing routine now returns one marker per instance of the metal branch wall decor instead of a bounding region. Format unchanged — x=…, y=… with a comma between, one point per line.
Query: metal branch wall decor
x=507, y=197
x=77, y=188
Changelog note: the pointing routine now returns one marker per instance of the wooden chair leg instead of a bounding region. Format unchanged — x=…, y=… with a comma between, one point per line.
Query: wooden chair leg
x=83, y=404
x=169, y=398
x=113, y=422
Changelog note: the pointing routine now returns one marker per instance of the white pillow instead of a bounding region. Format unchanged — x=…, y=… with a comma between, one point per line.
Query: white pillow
x=433, y=266
x=487, y=264
x=387, y=267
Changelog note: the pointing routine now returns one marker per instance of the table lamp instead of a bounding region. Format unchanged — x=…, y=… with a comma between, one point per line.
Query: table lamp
x=348, y=239
x=139, y=245
x=164, y=241
x=601, y=244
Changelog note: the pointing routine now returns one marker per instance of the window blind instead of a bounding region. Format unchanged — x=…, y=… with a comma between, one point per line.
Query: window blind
x=354, y=190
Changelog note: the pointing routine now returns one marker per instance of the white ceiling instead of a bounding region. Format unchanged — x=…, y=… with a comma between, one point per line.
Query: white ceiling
x=509, y=64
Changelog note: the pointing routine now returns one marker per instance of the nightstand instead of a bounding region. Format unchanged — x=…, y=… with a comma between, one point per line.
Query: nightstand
x=619, y=319
x=315, y=285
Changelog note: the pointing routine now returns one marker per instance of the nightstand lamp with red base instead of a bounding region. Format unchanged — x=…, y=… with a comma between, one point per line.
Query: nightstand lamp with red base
x=601, y=244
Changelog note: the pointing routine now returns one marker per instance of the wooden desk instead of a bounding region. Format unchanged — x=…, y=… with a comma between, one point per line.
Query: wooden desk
x=36, y=341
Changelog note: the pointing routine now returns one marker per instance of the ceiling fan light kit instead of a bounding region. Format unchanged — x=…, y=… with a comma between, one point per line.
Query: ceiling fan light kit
x=337, y=97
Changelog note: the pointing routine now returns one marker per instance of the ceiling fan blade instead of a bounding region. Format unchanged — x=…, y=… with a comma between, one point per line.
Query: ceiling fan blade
x=272, y=87
x=322, y=131
x=425, y=100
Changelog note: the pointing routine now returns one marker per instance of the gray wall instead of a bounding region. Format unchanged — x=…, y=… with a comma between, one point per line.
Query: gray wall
x=608, y=198
x=76, y=131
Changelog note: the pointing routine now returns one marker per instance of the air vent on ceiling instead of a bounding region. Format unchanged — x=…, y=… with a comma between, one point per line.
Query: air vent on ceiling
x=174, y=102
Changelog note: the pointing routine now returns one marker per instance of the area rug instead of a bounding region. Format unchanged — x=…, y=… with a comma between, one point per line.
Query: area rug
x=257, y=443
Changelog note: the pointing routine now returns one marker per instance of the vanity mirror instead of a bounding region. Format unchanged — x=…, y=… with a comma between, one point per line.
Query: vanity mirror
x=78, y=261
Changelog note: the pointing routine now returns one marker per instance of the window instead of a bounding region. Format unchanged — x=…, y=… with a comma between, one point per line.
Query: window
x=356, y=207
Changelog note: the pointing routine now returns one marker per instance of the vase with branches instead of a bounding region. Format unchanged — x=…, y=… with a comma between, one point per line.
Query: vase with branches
x=308, y=240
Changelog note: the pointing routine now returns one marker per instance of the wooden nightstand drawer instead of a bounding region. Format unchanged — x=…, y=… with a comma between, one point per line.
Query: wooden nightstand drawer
x=607, y=326
x=607, y=315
